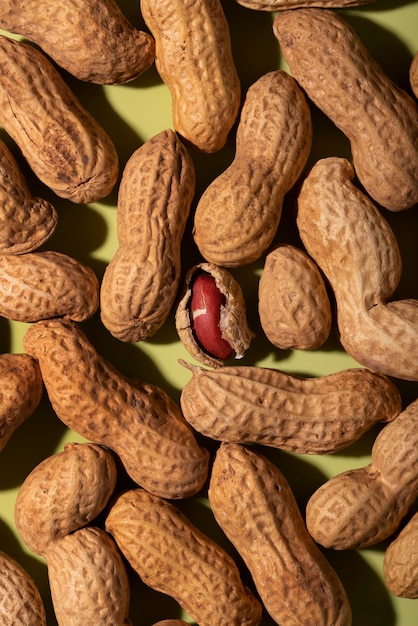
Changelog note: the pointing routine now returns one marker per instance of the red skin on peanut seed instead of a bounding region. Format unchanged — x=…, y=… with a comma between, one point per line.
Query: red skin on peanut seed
x=205, y=308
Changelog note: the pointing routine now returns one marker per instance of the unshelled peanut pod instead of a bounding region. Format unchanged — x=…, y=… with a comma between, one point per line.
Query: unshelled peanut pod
x=255, y=506
x=400, y=564
x=361, y=507
x=293, y=303
x=20, y=600
x=334, y=68
x=63, y=144
x=194, y=59
x=211, y=316
x=173, y=556
x=250, y=404
x=141, y=282
x=413, y=74
x=21, y=389
x=137, y=420
x=25, y=222
x=93, y=41
x=281, y=5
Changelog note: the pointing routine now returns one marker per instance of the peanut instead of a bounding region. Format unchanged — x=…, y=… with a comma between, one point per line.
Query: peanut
x=92, y=41
x=400, y=564
x=281, y=5
x=194, y=59
x=355, y=247
x=21, y=389
x=43, y=284
x=212, y=324
x=138, y=421
x=255, y=507
x=174, y=557
x=330, y=62
x=238, y=214
x=413, y=74
x=140, y=283
x=293, y=303
x=361, y=507
x=20, y=600
x=250, y=404
x=25, y=222
x=62, y=143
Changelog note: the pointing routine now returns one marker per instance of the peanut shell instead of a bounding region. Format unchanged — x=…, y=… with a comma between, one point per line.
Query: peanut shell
x=413, y=74
x=282, y=5
x=400, y=564
x=20, y=601
x=137, y=420
x=174, y=557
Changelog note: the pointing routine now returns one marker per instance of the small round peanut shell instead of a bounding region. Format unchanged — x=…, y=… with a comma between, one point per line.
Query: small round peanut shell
x=233, y=320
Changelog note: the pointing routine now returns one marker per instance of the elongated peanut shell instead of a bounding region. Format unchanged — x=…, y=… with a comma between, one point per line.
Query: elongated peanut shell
x=238, y=214
x=62, y=143
x=21, y=389
x=43, y=284
x=282, y=5
x=330, y=62
x=20, y=601
x=140, y=283
x=194, y=59
x=25, y=222
x=255, y=506
x=174, y=557
x=293, y=303
x=88, y=579
x=250, y=404
x=354, y=245
x=400, y=564
x=138, y=421
x=413, y=74
x=93, y=41
x=361, y=507
x=63, y=493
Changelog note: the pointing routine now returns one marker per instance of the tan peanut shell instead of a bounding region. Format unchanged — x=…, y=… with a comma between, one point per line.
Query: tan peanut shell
x=64, y=492
x=413, y=74
x=21, y=389
x=238, y=214
x=194, y=59
x=93, y=41
x=88, y=579
x=140, y=283
x=293, y=303
x=330, y=62
x=137, y=420
x=233, y=319
x=20, y=601
x=173, y=556
x=63, y=144
x=251, y=404
x=355, y=247
x=282, y=5
x=400, y=563
x=255, y=507
x=43, y=284
x=26, y=222
x=361, y=507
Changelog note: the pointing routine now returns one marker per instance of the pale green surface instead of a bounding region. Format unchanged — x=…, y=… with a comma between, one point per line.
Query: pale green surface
x=131, y=114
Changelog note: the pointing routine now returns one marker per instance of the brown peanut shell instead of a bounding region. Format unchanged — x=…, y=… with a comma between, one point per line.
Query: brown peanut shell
x=400, y=563
x=283, y=5
x=63, y=493
x=251, y=404
x=361, y=507
x=140, y=283
x=20, y=601
x=21, y=389
x=355, y=247
x=137, y=420
x=93, y=41
x=194, y=59
x=26, y=222
x=413, y=74
x=238, y=214
x=330, y=62
x=43, y=284
x=233, y=319
x=174, y=557
x=63, y=144
x=293, y=303
x=255, y=507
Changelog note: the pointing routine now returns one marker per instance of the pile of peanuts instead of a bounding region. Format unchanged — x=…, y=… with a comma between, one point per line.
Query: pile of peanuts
x=187, y=466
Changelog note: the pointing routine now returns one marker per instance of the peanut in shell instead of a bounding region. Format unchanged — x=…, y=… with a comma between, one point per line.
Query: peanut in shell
x=20, y=600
